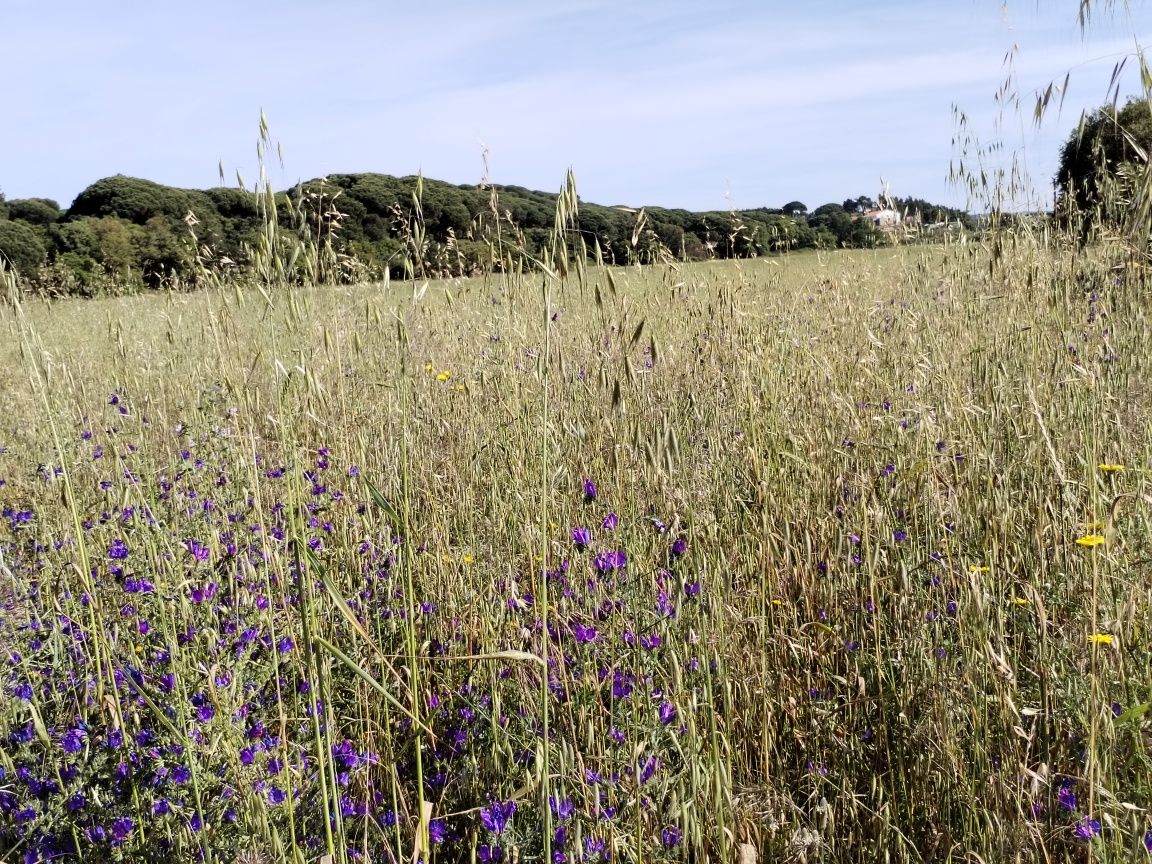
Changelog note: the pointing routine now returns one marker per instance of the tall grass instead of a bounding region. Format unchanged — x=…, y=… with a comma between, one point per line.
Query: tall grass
x=785, y=555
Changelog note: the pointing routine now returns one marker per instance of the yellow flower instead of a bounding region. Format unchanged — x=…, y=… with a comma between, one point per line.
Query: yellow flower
x=978, y=568
x=468, y=559
x=1110, y=468
x=1020, y=601
x=444, y=376
x=1100, y=638
x=777, y=602
x=429, y=367
x=1089, y=540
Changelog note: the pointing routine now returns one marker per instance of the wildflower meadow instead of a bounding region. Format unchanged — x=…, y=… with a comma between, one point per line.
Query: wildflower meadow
x=828, y=557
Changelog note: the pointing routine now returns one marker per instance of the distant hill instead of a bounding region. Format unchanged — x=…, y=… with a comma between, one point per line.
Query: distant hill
x=123, y=231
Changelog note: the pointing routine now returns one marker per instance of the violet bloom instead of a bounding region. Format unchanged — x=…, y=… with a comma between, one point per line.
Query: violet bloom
x=73, y=741
x=652, y=642
x=589, y=490
x=496, y=816
x=1066, y=797
x=667, y=713
x=121, y=828
x=198, y=550
x=581, y=537
x=118, y=551
x=670, y=836
x=490, y=854
x=648, y=769
x=611, y=560
x=1087, y=828
x=437, y=830
x=680, y=545
x=561, y=808
x=610, y=522
x=584, y=634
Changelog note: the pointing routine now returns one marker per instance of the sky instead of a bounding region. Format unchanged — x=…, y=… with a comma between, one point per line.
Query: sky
x=678, y=103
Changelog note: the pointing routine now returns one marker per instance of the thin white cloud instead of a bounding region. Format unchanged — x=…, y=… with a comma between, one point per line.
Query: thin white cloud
x=675, y=103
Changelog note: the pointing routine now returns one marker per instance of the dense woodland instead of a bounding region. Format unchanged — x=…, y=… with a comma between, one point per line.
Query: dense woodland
x=122, y=232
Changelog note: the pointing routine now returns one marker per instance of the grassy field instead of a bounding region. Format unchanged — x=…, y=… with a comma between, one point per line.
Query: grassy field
x=835, y=557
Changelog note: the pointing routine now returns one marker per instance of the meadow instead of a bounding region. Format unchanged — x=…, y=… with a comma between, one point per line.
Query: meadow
x=828, y=557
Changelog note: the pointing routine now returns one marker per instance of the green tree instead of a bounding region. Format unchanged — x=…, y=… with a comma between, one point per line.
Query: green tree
x=21, y=247
x=1101, y=163
x=794, y=208
x=34, y=211
x=132, y=199
x=107, y=241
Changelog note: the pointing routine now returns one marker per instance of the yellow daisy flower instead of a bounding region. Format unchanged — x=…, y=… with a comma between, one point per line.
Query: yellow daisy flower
x=1089, y=540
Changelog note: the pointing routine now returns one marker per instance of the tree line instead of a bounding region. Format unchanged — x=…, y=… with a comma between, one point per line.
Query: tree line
x=124, y=232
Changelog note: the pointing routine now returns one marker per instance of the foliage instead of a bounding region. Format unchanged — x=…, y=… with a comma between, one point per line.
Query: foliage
x=34, y=211
x=21, y=247
x=1101, y=162
x=133, y=232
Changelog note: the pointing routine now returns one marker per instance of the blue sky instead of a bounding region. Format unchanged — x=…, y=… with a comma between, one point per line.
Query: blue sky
x=674, y=103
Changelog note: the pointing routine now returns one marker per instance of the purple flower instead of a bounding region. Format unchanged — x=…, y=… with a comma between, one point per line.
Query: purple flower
x=1087, y=828
x=1148, y=842
x=1066, y=797
x=589, y=490
x=670, y=836
x=496, y=816
x=73, y=741
x=199, y=595
x=490, y=854
x=276, y=795
x=581, y=537
x=606, y=562
x=198, y=550
x=899, y=535
x=648, y=768
x=680, y=545
x=561, y=808
x=584, y=634
x=651, y=642
x=121, y=828
x=667, y=713
x=118, y=551
x=610, y=522
x=437, y=830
